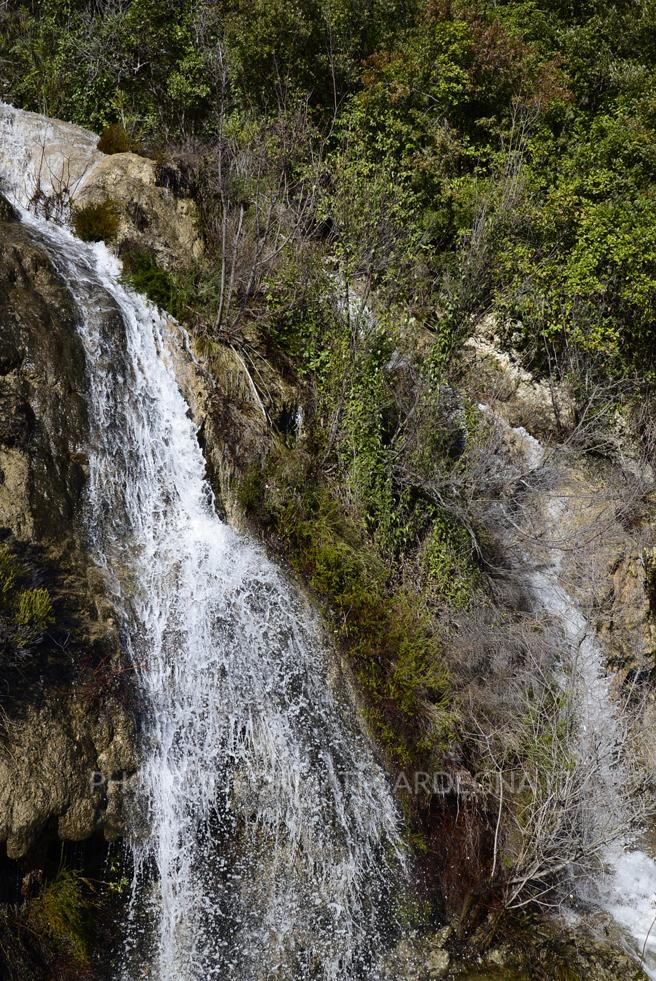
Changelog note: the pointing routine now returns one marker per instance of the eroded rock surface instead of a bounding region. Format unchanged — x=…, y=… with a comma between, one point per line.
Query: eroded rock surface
x=52, y=163
x=67, y=764
x=55, y=730
x=150, y=216
x=42, y=406
x=60, y=167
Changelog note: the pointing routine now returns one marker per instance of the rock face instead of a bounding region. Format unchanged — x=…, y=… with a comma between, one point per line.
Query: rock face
x=54, y=733
x=603, y=525
x=67, y=764
x=558, y=949
x=150, y=215
x=497, y=377
x=630, y=626
x=42, y=407
x=53, y=162
x=60, y=167
x=419, y=957
x=234, y=426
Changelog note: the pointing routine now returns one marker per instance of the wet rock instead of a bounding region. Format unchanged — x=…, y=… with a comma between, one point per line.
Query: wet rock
x=7, y=210
x=42, y=404
x=54, y=157
x=559, y=950
x=59, y=761
x=56, y=730
x=419, y=957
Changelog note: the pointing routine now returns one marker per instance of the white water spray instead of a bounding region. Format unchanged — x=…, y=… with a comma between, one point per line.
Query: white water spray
x=272, y=837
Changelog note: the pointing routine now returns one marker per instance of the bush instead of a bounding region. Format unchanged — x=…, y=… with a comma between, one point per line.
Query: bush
x=34, y=614
x=96, y=222
x=142, y=271
x=25, y=613
x=447, y=565
x=385, y=628
x=114, y=139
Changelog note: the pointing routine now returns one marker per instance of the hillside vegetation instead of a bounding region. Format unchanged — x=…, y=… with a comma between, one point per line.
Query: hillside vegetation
x=373, y=179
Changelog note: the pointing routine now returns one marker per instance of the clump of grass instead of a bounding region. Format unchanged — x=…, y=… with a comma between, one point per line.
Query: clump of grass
x=96, y=222
x=34, y=614
x=25, y=612
x=60, y=913
x=9, y=571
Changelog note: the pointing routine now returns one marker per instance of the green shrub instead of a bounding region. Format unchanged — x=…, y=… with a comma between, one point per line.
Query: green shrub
x=96, y=222
x=25, y=612
x=60, y=913
x=385, y=628
x=450, y=574
x=114, y=139
x=142, y=271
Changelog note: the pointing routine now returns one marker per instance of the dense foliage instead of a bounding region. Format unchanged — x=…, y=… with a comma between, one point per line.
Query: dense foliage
x=516, y=138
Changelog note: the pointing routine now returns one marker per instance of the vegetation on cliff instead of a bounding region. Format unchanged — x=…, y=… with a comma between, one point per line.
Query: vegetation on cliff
x=25, y=612
x=373, y=179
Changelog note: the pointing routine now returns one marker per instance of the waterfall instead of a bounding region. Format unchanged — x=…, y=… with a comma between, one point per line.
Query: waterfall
x=626, y=888
x=271, y=837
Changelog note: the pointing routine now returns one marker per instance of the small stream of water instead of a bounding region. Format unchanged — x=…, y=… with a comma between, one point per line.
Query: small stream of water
x=627, y=889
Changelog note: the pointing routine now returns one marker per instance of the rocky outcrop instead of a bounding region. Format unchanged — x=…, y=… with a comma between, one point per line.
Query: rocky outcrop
x=42, y=405
x=55, y=732
x=543, y=951
x=498, y=377
x=419, y=957
x=150, y=216
x=629, y=628
x=51, y=163
x=553, y=948
x=60, y=167
x=65, y=766
x=234, y=423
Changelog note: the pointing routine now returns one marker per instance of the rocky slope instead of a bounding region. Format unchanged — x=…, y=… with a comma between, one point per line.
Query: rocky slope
x=67, y=726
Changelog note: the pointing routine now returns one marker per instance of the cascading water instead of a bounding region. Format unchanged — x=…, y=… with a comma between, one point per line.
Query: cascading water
x=272, y=837
x=627, y=887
